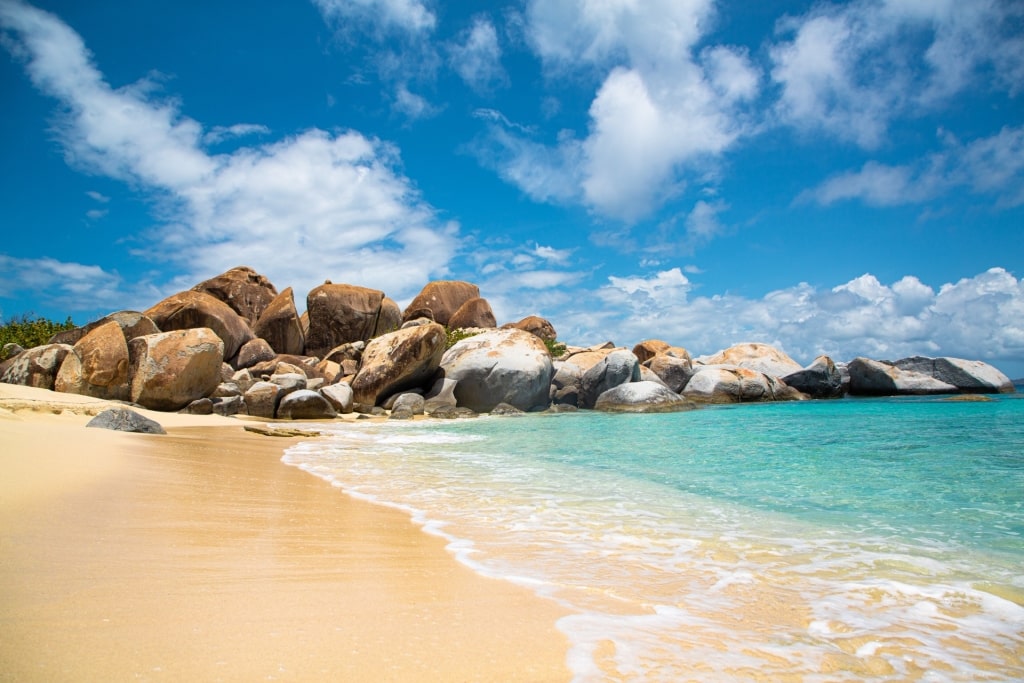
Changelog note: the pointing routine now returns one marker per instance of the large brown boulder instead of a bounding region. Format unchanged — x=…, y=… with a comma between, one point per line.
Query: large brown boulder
x=648, y=349
x=476, y=312
x=340, y=314
x=133, y=324
x=404, y=359
x=390, y=318
x=35, y=367
x=757, y=357
x=193, y=309
x=441, y=298
x=280, y=325
x=674, y=371
x=243, y=289
x=499, y=366
x=169, y=370
x=97, y=366
x=536, y=326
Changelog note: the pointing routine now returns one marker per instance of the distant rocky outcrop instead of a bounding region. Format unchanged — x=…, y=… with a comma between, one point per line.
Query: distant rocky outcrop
x=499, y=366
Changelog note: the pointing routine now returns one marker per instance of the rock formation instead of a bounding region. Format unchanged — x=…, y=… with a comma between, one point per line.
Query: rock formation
x=499, y=366
x=641, y=397
x=339, y=314
x=400, y=360
x=280, y=326
x=169, y=370
x=439, y=300
x=97, y=365
x=243, y=289
x=193, y=309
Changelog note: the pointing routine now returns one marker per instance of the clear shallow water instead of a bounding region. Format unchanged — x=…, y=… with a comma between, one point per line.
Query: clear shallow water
x=817, y=541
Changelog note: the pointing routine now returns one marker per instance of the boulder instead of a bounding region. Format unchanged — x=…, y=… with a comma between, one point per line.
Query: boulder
x=400, y=360
x=733, y=384
x=125, y=420
x=646, y=350
x=675, y=372
x=441, y=393
x=641, y=397
x=133, y=324
x=253, y=352
x=200, y=406
x=344, y=352
x=305, y=404
x=587, y=358
x=243, y=379
x=340, y=396
x=339, y=314
x=279, y=324
x=758, y=357
x=618, y=367
x=968, y=376
x=536, y=326
x=476, y=312
x=820, y=379
x=35, y=367
x=243, y=289
x=301, y=365
x=411, y=402
x=879, y=378
x=390, y=318
x=497, y=366
x=192, y=309
x=226, y=406
x=97, y=366
x=439, y=300
x=169, y=370
x=506, y=410
x=289, y=382
x=565, y=383
x=329, y=369
x=261, y=399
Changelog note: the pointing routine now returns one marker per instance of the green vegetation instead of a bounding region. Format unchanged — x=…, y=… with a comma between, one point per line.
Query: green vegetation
x=555, y=348
x=454, y=336
x=28, y=331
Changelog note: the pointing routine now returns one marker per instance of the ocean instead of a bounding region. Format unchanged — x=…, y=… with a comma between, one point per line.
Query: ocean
x=846, y=540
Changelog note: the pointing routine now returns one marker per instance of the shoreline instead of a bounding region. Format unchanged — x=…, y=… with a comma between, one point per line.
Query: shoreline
x=201, y=555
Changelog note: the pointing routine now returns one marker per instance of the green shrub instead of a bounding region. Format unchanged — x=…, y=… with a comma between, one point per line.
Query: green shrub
x=28, y=331
x=454, y=336
x=555, y=347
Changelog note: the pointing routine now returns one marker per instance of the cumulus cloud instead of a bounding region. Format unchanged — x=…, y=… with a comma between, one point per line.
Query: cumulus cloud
x=975, y=317
x=992, y=165
x=661, y=113
x=409, y=16
x=329, y=204
x=476, y=57
x=849, y=69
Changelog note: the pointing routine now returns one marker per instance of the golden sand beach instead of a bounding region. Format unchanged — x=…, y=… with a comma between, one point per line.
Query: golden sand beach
x=198, y=555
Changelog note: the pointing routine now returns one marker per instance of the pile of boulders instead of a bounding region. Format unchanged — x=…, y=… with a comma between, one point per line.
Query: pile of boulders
x=233, y=345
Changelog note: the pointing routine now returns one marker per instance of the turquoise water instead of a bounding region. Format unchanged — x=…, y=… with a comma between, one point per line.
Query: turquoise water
x=816, y=541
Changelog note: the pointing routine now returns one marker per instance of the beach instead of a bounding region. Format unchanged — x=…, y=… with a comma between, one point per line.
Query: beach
x=199, y=555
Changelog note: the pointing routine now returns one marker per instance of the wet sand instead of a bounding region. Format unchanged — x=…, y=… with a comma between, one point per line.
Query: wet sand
x=200, y=556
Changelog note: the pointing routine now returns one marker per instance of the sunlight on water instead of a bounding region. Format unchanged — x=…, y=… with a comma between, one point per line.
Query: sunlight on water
x=840, y=540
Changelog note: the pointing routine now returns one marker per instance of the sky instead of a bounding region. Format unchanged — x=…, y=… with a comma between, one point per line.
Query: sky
x=830, y=178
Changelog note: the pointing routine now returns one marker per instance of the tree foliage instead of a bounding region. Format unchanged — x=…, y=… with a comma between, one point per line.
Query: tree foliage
x=28, y=331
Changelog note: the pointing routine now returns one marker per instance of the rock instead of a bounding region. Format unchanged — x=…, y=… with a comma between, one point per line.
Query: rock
x=646, y=350
x=329, y=369
x=200, y=406
x=243, y=379
x=562, y=408
x=506, y=410
x=397, y=361
x=344, y=352
x=133, y=324
x=97, y=366
x=289, y=382
x=125, y=420
x=286, y=432
x=821, y=379
x=537, y=326
x=305, y=404
x=590, y=356
x=282, y=364
x=675, y=372
x=411, y=402
x=169, y=370
x=878, y=378
x=339, y=314
x=280, y=326
x=390, y=318
x=618, y=367
x=191, y=310
x=733, y=384
x=565, y=383
x=226, y=389
x=647, y=375
x=641, y=397
x=226, y=406
x=442, y=393
x=439, y=300
x=757, y=357
x=253, y=352
x=11, y=350
x=453, y=412
x=35, y=367
x=499, y=366
x=243, y=289
x=261, y=399
x=340, y=396
x=968, y=376
x=401, y=414
x=476, y=312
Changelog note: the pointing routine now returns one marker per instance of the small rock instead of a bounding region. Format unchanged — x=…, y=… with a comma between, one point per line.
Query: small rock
x=125, y=420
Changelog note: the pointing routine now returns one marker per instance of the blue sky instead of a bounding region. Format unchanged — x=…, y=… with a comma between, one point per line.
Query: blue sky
x=840, y=178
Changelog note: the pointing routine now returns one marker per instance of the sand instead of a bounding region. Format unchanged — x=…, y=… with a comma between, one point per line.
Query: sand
x=200, y=556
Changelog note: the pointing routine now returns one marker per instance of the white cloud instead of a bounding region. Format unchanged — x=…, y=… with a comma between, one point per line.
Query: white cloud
x=98, y=196
x=69, y=287
x=977, y=317
x=849, y=69
x=410, y=16
x=307, y=207
x=413, y=106
x=219, y=134
x=477, y=58
x=990, y=166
